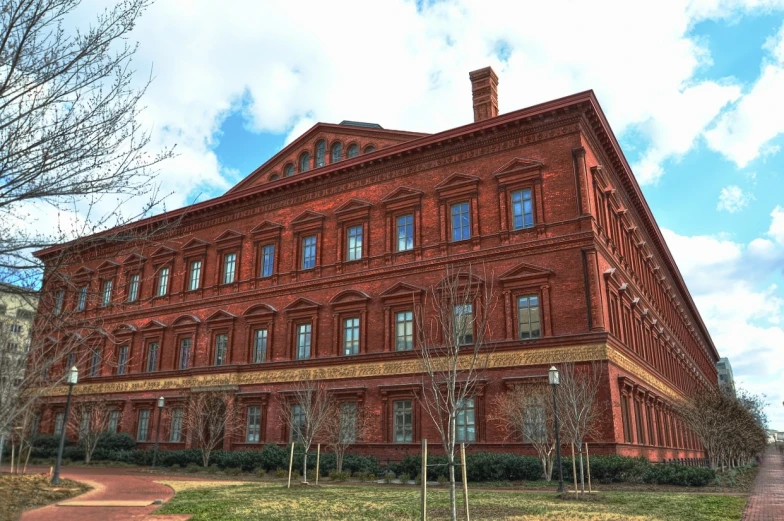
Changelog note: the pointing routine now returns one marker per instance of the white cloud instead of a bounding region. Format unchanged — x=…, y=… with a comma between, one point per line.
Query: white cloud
x=732, y=199
x=776, y=229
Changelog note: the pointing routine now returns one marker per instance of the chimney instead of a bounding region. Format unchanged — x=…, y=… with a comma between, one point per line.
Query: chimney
x=484, y=87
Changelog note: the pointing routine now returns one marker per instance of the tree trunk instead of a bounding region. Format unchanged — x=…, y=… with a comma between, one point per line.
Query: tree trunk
x=452, y=495
x=582, y=474
x=544, y=468
x=305, y=468
x=339, y=461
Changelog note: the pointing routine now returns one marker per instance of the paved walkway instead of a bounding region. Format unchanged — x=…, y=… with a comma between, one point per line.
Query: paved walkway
x=111, y=486
x=766, y=502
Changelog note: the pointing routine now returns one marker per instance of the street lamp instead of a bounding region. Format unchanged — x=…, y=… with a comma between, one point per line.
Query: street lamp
x=70, y=379
x=555, y=381
x=157, y=431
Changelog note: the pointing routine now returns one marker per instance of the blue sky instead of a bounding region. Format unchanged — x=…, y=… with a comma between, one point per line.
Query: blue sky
x=692, y=88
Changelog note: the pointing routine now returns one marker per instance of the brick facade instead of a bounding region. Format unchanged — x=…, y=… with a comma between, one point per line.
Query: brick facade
x=605, y=283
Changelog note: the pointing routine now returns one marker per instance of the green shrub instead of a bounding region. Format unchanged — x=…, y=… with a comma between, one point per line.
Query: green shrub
x=442, y=480
x=418, y=479
x=338, y=476
x=175, y=467
x=272, y=457
x=617, y=469
x=260, y=472
x=404, y=478
x=388, y=477
x=671, y=474
x=281, y=473
x=365, y=476
x=234, y=471
x=116, y=441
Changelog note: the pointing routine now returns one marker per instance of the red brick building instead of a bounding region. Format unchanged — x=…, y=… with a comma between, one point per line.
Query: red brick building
x=310, y=266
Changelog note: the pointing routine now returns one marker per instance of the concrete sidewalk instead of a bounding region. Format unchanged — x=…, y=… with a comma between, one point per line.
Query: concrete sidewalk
x=766, y=502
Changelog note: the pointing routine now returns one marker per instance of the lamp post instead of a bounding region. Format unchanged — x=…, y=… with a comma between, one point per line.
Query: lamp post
x=71, y=379
x=555, y=380
x=157, y=431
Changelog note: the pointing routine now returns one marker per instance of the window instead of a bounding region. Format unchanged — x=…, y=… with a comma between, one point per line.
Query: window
x=221, y=344
x=122, y=360
x=114, y=422
x=351, y=336
x=404, y=331
x=175, y=433
x=461, y=222
x=403, y=421
x=369, y=149
x=337, y=152
x=528, y=317
x=465, y=421
x=185, y=353
x=304, y=162
x=348, y=422
x=95, y=362
x=522, y=210
x=288, y=170
x=638, y=417
x=405, y=232
x=463, y=324
x=133, y=288
x=24, y=314
x=534, y=419
x=229, y=267
x=253, y=428
x=58, y=304
x=354, y=243
x=309, y=252
x=152, y=357
x=297, y=422
x=194, y=275
x=321, y=154
x=259, y=346
x=303, y=341
x=16, y=328
x=353, y=151
x=81, y=302
x=84, y=425
x=268, y=260
x=69, y=361
x=163, y=281
x=58, y=423
x=12, y=347
x=274, y=177
x=142, y=427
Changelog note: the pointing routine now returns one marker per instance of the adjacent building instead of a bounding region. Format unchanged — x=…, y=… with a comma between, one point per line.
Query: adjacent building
x=724, y=370
x=312, y=265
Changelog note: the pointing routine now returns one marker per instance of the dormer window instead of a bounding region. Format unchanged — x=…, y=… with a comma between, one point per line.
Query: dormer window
x=288, y=170
x=353, y=151
x=337, y=152
x=321, y=154
x=304, y=162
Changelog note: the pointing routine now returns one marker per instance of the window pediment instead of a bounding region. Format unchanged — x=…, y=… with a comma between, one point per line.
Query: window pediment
x=302, y=304
x=153, y=325
x=353, y=209
x=260, y=310
x=220, y=316
x=228, y=239
x=402, y=291
x=163, y=254
x=525, y=274
x=186, y=320
x=267, y=230
x=195, y=247
x=123, y=330
x=108, y=266
x=519, y=170
x=349, y=297
x=457, y=184
x=83, y=274
x=308, y=220
x=403, y=196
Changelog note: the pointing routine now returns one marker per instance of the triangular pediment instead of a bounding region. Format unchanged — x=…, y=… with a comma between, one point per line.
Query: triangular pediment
x=259, y=309
x=83, y=273
x=228, y=235
x=153, y=324
x=123, y=329
x=134, y=258
x=195, y=244
x=402, y=289
x=162, y=252
x=302, y=303
x=108, y=265
x=350, y=295
x=402, y=193
x=525, y=271
x=220, y=315
x=267, y=227
x=457, y=180
x=308, y=216
x=519, y=164
x=353, y=205
x=186, y=320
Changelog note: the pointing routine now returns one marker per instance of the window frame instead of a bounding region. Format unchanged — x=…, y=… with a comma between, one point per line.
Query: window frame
x=406, y=429
x=107, y=288
x=522, y=191
x=339, y=145
x=265, y=234
x=255, y=345
x=352, y=146
x=224, y=358
x=307, y=224
x=520, y=174
x=396, y=338
x=175, y=434
x=518, y=322
x=303, y=162
x=122, y=361
x=256, y=425
x=466, y=425
x=355, y=232
x=147, y=358
x=320, y=149
x=464, y=228
x=229, y=259
x=228, y=243
x=143, y=413
x=307, y=243
x=162, y=280
x=257, y=317
x=298, y=336
x=181, y=339
x=355, y=328
x=198, y=264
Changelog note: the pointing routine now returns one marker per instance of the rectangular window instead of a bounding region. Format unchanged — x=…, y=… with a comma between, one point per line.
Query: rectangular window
x=638, y=416
x=16, y=328
x=404, y=331
x=403, y=421
x=260, y=346
x=354, y=243
x=152, y=357
x=534, y=419
x=194, y=275
x=221, y=345
x=106, y=298
x=463, y=323
x=141, y=429
x=268, y=260
x=122, y=360
x=81, y=302
x=627, y=434
x=309, y=252
x=522, y=210
x=253, y=428
x=58, y=423
x=58, y=304
x=133, y=288
x=95, y=362
x=461, y=222
x=163, y=281
x=528, y=317
x=303, y=341
x=84, y=425
x=185, y=353
x=348, y=422
x=465, y=421
x=229, y=267
x=69, y=361
x=405, y=232
x=351, y=336
x=114, y=422
x=175, y=433
x=297, y=422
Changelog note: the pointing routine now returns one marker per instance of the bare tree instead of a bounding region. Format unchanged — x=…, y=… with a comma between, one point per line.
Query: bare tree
x=345, y=424
x=306, y=410
x=525, y=413
x=207, y=419
x=452, y=326
x=578, y=406
x=91, y=420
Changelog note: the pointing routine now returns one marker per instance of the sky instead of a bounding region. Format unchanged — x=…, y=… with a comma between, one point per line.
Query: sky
x=692, y=89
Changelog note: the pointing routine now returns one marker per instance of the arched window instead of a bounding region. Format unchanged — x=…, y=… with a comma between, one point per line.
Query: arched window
x=321, y=154
x=337, y=152
x=274, y=177
x=288, y=170
x=369, y=149
x=304, y=162
x=353, y=151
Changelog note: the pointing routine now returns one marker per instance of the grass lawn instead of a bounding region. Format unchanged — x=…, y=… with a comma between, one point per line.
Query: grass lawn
x=209, y=501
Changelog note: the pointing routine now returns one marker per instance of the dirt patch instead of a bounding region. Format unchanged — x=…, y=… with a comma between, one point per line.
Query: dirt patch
x=22, y=492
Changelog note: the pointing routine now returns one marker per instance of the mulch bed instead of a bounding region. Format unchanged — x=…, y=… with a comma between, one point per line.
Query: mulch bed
x=24, y=491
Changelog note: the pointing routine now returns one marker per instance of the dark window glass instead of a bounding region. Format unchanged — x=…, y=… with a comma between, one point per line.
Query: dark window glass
x=465, y=421
x=304, y=162
x=288, y=170
x=185, y=353
x=403, y=421
x=404, y=331
x=122, y=360
x=405, y=232
x=260, y=346
x=152, y=357
x=309, y=252
x=141, y=430
x=221, y=346
x=528, y=316
x=353, y=151
x=463, y=322
x=522, y=210
x=133, y=288
x=337, y=152
x=354, y=245
x=303, y=341
x=461, y=222
x=268, y=260
x=175, y=433
x=321, y=154
x=253, y=427
x=351, y=336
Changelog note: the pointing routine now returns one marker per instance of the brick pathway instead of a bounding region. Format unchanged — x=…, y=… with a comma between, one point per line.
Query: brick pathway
x=766, y=502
